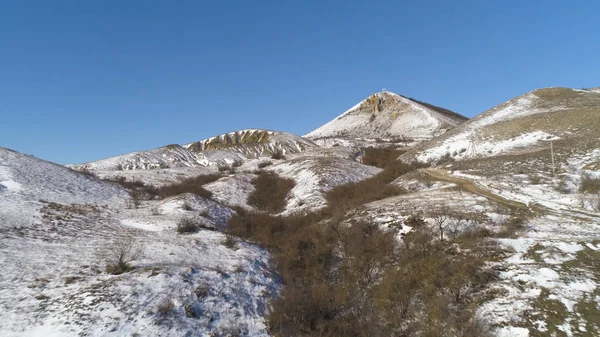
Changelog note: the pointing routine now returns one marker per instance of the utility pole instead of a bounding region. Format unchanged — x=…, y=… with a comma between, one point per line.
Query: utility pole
x=552, y=155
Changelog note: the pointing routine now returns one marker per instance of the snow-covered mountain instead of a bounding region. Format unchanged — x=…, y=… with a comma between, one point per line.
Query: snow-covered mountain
x=525, y=123
x=386, y=115
x=215, y=151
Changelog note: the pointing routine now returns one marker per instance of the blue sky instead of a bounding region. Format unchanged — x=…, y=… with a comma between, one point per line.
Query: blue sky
x=85, y=80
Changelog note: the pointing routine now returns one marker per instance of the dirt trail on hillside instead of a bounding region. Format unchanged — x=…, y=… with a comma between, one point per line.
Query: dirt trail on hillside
x=470, y=186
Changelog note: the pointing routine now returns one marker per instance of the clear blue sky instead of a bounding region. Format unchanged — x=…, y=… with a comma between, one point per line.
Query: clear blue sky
x=85, y=80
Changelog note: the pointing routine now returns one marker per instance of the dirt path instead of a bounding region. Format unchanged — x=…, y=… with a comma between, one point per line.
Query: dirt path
x=468, y=185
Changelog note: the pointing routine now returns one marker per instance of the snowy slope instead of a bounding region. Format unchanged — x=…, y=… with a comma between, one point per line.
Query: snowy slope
x=525, y=122
x=57, y=227
x=314, y=176
x=26, y=182
x=389, y=115
x=215, y=151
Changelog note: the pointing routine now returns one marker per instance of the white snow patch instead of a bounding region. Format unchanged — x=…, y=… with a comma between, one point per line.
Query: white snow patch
x=511, y=331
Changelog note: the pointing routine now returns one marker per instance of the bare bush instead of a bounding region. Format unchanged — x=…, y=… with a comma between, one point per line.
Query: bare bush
x=265, y=164
x=165, y=306
x=230, y=242
x=589, y=184
x=136, y=198
x=192, y=185
x=563, y=185
x=590, y=201
x=202, y=290
x=270, y=192
x=120, y=253
x=155, y=210
x=441, y=220
x=87, y=171
x=382, y=157
x=187, y=225
x=278, y=155
x=187, y=206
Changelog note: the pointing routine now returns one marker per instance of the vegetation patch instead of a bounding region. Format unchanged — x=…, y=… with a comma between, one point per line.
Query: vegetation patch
x=382, y=157
x=359, y=280
x=270, y=192
x=190, y=225
x=140, y=190
x=349, y=196
x=589, y=184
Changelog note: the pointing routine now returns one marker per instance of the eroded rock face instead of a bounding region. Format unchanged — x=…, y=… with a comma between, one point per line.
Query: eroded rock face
x=253, y=142
x=230, y=139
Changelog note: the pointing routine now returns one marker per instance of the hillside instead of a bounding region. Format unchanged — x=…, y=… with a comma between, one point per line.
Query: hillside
x=215, y=151
x=386, y=115
x=60, y=231
x=527, y=123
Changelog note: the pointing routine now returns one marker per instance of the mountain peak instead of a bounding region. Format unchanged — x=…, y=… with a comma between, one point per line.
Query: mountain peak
x=389, y=115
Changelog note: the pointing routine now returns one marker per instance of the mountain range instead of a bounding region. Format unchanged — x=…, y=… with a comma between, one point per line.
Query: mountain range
x=534, y=159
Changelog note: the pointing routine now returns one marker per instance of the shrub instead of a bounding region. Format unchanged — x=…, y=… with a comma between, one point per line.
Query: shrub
x=155, y=210
x=265, y=164
x=563, y=185
x=595, y=202
x=120, y=253
x=589, y=184
x=278, y=155
x=136, y=198
x=86, y=170
x=128, y=184
x=187, y=225
x=230, y=242
x=201, y=291
x=190, y=311
x=270, y=192
x=381, y=157
x=192, y=185
x=165, y=307
x=535, y=179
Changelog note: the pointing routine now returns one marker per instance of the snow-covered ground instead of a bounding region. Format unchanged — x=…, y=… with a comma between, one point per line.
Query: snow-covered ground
x=58, y=231
x=549, y=283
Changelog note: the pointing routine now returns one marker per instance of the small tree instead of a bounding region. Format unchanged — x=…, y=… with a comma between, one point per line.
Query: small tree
x=440, y=219
x=120, y=253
